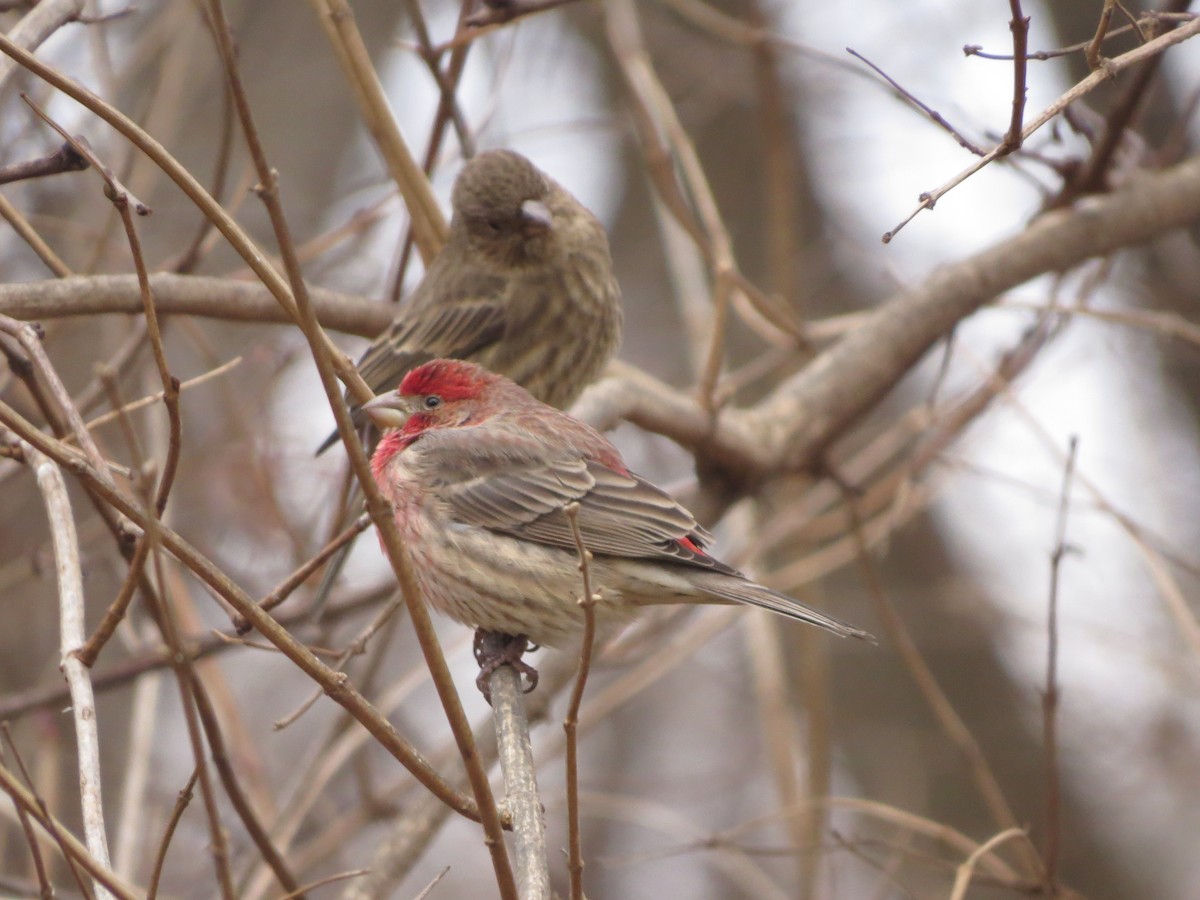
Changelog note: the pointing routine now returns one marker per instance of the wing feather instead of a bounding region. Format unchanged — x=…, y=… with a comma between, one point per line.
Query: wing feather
x=521, y=489
x=455, y=330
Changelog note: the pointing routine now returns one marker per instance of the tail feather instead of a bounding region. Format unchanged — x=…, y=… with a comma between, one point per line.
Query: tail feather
x=741, y=590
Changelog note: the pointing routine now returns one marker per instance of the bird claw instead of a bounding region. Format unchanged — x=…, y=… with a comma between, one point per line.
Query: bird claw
x=493, y=650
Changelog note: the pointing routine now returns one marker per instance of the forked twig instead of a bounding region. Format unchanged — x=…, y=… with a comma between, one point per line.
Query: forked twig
x=1105, y=73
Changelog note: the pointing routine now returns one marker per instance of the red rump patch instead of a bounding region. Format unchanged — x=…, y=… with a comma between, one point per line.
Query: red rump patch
x=450, y=379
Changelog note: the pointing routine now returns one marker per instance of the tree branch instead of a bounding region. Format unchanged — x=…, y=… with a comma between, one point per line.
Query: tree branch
x=71, y=606
x=193, y=295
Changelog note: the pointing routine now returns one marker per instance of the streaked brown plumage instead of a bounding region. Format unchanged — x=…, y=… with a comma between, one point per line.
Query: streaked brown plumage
x=479, y=472
x=524, y=286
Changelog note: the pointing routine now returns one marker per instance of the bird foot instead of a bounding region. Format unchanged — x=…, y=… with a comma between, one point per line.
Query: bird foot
x=493, y=650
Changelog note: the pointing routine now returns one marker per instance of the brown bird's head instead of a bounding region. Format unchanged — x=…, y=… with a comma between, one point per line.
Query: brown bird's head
x=506, y=209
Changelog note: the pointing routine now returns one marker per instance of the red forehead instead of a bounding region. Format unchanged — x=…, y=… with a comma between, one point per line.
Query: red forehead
x=449, y=379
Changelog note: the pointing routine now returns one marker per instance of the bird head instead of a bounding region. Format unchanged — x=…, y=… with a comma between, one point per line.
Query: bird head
x=503, y=209
x=442, y=393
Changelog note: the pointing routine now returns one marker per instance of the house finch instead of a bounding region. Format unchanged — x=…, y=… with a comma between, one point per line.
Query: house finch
x=478, y=473
x=524, y=286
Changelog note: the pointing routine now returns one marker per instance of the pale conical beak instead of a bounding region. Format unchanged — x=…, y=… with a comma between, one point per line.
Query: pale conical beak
x=536, y=216
x=389, y=410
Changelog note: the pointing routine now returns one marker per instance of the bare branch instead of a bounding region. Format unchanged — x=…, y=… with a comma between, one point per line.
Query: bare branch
x=520, y=784
x=193, y=295
x=71, y=614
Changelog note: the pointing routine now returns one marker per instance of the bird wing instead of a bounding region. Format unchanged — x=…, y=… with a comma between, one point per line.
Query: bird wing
x=458, y=329
x=455, y=330
x=520, y=490
x=516, y=487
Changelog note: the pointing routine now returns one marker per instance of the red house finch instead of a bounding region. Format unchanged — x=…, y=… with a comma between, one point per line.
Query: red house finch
x=523, y=286
x=479, y=472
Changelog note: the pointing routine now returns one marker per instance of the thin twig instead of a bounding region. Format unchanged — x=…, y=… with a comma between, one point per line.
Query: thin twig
x=1107, y=72
x=1097, y=172
x=686, y=192
x=355, y=648
x=1051, y=696
x=35, y=850
x=71, y=611
x=72, y=849
x=29, y=338
x=936, y=117
x=287, y=587
x=135, y=808
x=116, y=610
x=1093, y=49
x=1147, y=16
x=952, y=724
x=587, y=603
x=237, y=797
x=353, y=873
x=777, y=714
x=123, y=201
x=225, y=223
x=21, y=703
x=163, y=610
x=30, y=236
x=182, y=799
x=429, y=225
x=1019, y=26
x=962, y=877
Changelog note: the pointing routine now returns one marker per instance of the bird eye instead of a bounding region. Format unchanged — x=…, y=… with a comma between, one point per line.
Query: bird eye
x=433, y=401
x=495, y=225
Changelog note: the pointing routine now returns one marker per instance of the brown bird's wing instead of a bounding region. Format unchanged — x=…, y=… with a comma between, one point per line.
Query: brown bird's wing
x=514, y=487
x=518, y=489
x=461, y=327
x=457, y=330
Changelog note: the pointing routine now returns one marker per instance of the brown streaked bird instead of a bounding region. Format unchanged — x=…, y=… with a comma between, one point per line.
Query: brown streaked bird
x=479, y=474
x=524, y=286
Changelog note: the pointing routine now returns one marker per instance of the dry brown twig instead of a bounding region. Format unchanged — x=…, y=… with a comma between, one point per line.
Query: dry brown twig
x=587, y=604
x=72, y=848
x=1105, y=72
x=71, y=613
x=1050, y=696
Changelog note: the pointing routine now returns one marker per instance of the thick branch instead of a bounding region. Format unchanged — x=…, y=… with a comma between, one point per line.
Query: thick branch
x=792, y=426
x=821, y=402
x=215, y=298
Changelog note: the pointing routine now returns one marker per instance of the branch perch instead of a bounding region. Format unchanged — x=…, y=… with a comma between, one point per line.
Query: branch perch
x=532, y=868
